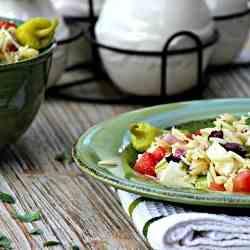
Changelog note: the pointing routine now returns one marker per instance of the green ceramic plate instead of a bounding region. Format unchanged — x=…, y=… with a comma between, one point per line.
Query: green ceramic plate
x=103, y=141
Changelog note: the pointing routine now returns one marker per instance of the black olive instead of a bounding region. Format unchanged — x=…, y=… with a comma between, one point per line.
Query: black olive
x=173, y=158
x=236, y=148
x=216, y=134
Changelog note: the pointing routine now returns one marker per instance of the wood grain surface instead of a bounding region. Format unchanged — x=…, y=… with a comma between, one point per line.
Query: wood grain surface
x=75, y=208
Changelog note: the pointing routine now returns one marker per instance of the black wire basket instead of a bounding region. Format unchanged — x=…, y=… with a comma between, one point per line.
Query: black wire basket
x=124, y=98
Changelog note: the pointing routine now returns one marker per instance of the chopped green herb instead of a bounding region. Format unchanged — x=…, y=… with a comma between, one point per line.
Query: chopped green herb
x=5, y=243
x=27, y=217
x=7, y=198
x=196, y=125
x=65, y=158
x=248, y=121
x=36, y=231
x=75, y=247
x=51, y=243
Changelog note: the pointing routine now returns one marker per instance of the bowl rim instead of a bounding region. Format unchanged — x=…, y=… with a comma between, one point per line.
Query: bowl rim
x=40, y=58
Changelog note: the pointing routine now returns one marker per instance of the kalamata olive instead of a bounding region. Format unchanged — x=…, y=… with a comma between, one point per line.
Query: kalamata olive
x=173, y=158
x=216, y=134
x=236, y=148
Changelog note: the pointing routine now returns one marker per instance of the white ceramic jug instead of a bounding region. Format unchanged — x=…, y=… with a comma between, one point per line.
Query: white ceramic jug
x=25, y=9
x=233, y=31
x=146, y=25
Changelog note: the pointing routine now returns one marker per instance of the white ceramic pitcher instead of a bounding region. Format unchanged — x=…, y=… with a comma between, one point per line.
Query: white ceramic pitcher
x=146, y=25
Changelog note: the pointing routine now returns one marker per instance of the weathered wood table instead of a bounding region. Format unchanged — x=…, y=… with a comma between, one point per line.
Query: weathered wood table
x=75, y=208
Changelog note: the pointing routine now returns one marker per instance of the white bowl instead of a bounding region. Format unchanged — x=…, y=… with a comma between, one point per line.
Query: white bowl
x=227, y=7
x=60, y=58
x=233, y=31
x=133, y=25
x=233, y=35
x=76, y=8
x=80, y=50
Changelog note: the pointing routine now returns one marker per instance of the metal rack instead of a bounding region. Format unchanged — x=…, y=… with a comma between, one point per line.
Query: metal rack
x=124, y=98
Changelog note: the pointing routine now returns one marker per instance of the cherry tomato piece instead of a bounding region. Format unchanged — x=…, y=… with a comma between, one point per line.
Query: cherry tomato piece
x=242, y=182
x=6, y=25
x=146, y=164
x=159, y=153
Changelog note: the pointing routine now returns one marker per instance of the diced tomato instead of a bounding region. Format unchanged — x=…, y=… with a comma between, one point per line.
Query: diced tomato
x=217, y=187
x=242, y=182
x=6, y=25
x=159, y=153
x=146, y=164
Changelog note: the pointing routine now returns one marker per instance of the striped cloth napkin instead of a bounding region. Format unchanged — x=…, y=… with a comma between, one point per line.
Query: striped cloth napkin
x=171, y=227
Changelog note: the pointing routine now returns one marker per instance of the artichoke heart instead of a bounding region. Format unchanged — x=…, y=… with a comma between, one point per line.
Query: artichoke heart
x=142, y=135
x=36, y=33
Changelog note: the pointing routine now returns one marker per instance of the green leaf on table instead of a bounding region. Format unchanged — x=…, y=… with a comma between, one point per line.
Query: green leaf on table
x=65, y=158
x=248, y=121
x=7, y=198
x=28, y=216
x=75, y=247
x=51, y=243
x=36, y=231
x=5, y=243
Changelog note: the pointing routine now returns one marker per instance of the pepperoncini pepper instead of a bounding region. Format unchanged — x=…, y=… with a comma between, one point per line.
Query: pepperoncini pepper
x=37, y=33
x=142, y=135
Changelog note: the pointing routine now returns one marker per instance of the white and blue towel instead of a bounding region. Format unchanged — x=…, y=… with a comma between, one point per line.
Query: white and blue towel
x=171, y=227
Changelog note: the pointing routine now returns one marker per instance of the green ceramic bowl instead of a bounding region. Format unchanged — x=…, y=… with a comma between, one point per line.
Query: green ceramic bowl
x=22, y=88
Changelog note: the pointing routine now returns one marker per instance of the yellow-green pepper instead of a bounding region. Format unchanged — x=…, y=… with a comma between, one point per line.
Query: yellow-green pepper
x=142, y=135
x=37, y=33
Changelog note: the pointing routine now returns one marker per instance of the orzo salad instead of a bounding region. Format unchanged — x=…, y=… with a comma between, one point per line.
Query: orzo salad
x=24, y=42
x=215, y=157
